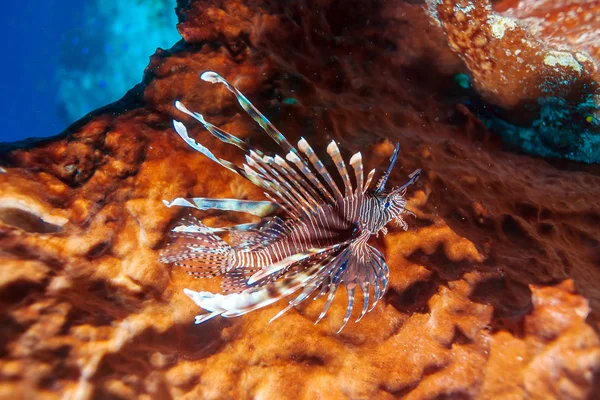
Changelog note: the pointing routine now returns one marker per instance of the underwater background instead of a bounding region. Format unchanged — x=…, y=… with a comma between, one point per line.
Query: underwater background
x=67, y=58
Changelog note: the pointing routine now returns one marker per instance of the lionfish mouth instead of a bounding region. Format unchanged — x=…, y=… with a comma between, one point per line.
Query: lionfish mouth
x=307, y=250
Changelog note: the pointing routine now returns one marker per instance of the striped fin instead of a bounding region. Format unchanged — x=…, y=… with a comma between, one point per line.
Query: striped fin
x=182, y=131
x=413, y=177
x=293, y=158
x=287, y=262
x=205, y=229
x=268, y=178
x=252, y=176
x=275, y=134
x=376, y=275
x=316, y=162
x=364, y=287
x=245, y=240
x=288, y=211
x=306, y=190
x=266, y=163
x=201, y=253
x=214, y=130
x=234, y=281
x=237, y=304
x=334, y=151
x=191, y=225
x=369, y=179
x=380, y=261
x=232, y=304
x=271, y=186
x=294, y=186
x=335, y=279
x=357, y=265
x=309, y=289
x=268, y=127
x=258, y=208
x=360, y=265
x=393, y=158
x=350, y=289
x=302, y=187
x=357, y=166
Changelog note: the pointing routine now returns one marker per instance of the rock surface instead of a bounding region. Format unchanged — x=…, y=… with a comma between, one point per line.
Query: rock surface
x=536, y=64
x=535, y=49
x=494, y=290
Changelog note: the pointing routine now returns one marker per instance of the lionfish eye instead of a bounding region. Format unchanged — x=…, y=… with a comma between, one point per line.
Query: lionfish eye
x=387, y=204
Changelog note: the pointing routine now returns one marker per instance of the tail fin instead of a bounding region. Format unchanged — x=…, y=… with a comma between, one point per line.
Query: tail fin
x=202, y=253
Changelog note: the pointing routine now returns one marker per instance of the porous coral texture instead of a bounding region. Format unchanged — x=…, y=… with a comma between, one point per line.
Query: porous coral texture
x=493, y=290
x=575, y=23
x=533, y=49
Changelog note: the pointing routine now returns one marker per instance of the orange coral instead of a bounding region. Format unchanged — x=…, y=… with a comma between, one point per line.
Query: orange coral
x=488, y=289
x=512, y=61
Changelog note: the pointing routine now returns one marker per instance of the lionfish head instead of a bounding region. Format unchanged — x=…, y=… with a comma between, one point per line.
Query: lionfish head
x=389, y=206
x=392, y=204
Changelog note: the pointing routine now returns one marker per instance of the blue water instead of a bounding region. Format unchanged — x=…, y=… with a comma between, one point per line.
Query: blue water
x=33, y=33
x=65, y=58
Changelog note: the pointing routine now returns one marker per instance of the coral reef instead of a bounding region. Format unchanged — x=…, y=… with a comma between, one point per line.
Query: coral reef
x=537, y=61
x=493, y=293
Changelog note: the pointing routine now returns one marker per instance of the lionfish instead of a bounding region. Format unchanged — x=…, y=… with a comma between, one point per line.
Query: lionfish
x=311, y=237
